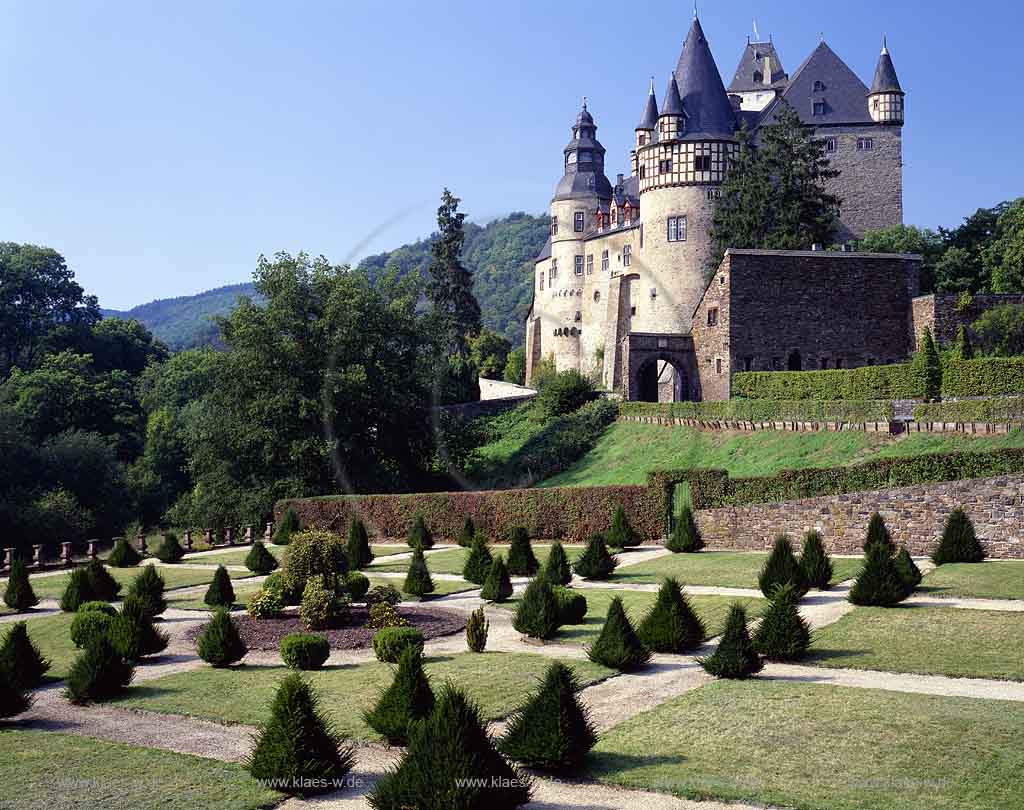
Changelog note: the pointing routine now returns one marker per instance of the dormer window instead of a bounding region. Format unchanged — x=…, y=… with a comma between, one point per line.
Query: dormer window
x=819, y=87
x=819, y=107
x=572, y=158
x=642, y=140
x=758, y=77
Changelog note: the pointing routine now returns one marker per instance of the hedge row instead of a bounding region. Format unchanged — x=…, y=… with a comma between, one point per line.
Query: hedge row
x=570, y=513
x=898, y=381
x=984, y=377
x=766, y=410
x=972, y=410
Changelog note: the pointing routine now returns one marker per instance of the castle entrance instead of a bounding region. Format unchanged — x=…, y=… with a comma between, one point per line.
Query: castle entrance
x=658, y=368
x=660, y=381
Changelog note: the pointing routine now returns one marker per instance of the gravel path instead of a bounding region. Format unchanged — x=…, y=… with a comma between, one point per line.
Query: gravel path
x=965, y=603
x=46, y=607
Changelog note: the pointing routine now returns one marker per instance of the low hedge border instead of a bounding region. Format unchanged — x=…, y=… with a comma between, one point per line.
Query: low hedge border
x=765, y=410
x=972, y=411
x=984, y=377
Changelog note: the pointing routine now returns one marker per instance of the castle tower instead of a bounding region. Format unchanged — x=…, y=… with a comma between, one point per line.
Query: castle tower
x=645, y=130
x=885, y=101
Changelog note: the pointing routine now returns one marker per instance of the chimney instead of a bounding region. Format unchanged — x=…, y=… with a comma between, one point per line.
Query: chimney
x=767, y=68
x=618, y=179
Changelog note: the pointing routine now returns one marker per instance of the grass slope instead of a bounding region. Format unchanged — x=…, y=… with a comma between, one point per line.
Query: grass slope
x=451, y=561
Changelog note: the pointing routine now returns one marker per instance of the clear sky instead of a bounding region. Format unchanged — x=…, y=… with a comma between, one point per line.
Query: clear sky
x=161, y=147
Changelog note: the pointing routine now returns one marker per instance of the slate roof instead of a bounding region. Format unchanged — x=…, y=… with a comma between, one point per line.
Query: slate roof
x=649, y=118
x=824, y=77
x=885, y=80
x=545, y=252
x=673, y=103
x=753, y=60
x=708, y=110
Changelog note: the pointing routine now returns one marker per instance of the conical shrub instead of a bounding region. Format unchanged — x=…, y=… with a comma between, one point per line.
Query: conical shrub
x=465, y=538
x=618, y=645
x=595, y=563
x=909, y=573
x=124, y=555
x=959, y=543
x=476, y=631
x=622, y=534
x=478, y=561
x=221, y=592
x=103, y=584
x=148, y=586
x=21, y=658
x=133, y=634
x=815, y=564
x=685, y=537
x=536, y=613
x=169, y=550
x=498, y=585
x=551, y=730
x=451, y=764
x=408, y=698
x=98, y=673
x=220, y=644
x=522, y=562
x=77, y=591
x=418, y=581
x=289, y=525
x=18, y=595
x=879, y=583
x=259, y=560
x=735, y=656
x=557, y=570
x=783, y=634
x=419, y=534
x=671, y=625
x=781, y=568
x=297, y=749
x=14, y=698
x=878, y=533
x=358, y=547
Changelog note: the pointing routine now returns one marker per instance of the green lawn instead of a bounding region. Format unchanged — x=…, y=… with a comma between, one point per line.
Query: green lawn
x=724, y=569
x=822, y=748
x=44, y=770
x=52, y=634
x=712, y=609
x=992, y=579
x=942, y=641
x=237, y=556
x=498, y=681
x=451, y=561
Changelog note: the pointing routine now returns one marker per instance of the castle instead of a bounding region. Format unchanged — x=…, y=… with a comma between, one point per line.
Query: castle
x=621, y=288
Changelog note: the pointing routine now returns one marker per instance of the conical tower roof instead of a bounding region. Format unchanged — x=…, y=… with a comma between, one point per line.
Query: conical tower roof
x=673, y=103
x=708, y=110
x=649, y=119
x=885, y=74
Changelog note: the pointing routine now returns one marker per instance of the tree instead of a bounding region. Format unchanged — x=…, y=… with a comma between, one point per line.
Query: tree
x=498, y=586
x=408, y=698
x=735, y=656
x=220, y=644
x=815, y=563
x=622, y=533
x=287, y=527
x=489, y=352
x=557, y=570
x=478, y=561
x=1003, y=257
x=536, y=613
x=595, y=563
x=169, y=550
x=259, y=560
x=358, y=549
x=14, y=698
x=618, y=646
x=522, y=562
x=148, y=586
x=926, y=368
x=124, y=554
x=685, y=537
x=420, y=535
x=879, y=583
x=963, y=349
x=18, y=595
x=909, y=573
x=515, y=367
x=98, y=673
x=878, y=534
x=21, y=658
x=781, y=568
x=671, y=625
x=220, y=593
x=907, y=239
x=783, y=634
x=563, y=393
x=133, y=634
x=450, y=289
x=961, y=267
x=1000, y=330
x=959, y=543
x=418, y=581
x=77, y=591
x=465, y=538
x=477, y=627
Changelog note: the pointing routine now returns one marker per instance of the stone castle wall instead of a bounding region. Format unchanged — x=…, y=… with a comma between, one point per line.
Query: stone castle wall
x=944, y=313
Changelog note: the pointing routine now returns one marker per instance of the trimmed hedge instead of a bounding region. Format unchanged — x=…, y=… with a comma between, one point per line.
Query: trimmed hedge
x=985, y=377
x=898, y=381
x=389, y=643
x=972, y=410
x=765, y=410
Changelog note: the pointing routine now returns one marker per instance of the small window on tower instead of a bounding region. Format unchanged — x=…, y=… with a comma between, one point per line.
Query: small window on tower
x=874, y=103
x=677, y=229
x=590, y=264
x=604, y=260
x=758, y=77
x=865, y=144
x=579, y=317
x=819, y=87
x=627, y=255
x=542, y=280
x=718, y=365
x=554, y=268
x=642, y=140
x=579, y=221
x=819, y=107
x=702, y=163
x=713, y=317
x=643, y=172
x=579, y=265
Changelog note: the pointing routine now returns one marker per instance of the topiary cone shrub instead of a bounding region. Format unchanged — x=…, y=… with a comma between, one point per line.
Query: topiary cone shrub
x=959, y=543
x=304, y=651
x=132, y=633
x=671, y=625
x=148, y=586
x=522, y=562
x=259, y=560
x=169, y=550
x=14, y=698
x=418, y=581
x=408, y=698
x=419, y=534
x=451, y=764
x=77, y=591
x=536, y=613
x=551, y=730
x=18, y=595
x=781, y=568
x=103, y=585
x=685, y=537
x=618, y=645
x=879, y=583
x=595, y=563
x=557, y=570
x=465, y=538
x=622, y=534
x=297, y=747
x=572, y=606
x=124, y=555
x=288, y=526
x=478, y=561
x=783, y=634
x=910, y=574
x=815, y=564
x=476, y=631
x=358, y=547
x=220, y=644
x=98, y=673
x=878, y=533
x=21, y=658
x=221, y=592
x=926, y=368
x=735, y=656
x=498, y=585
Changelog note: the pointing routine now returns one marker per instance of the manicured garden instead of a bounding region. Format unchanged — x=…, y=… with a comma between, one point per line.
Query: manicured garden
x=991, y=579
x=452, y=561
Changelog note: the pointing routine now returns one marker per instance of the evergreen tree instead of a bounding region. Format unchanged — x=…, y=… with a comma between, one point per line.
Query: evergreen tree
x=297, y=749
x=148, y=586
x=220, y=644
x=595, y=563
x=557, y=570
x=910, y=574
x=103, y=584
x=169, y=550
x=409, y=697
x=467, y=534
x=963, y=349
x=878, y=534
x=14, y=698
x=419, y=534
x=671, y=625
x=221, y=592
x=783, y=634
x=133, y=634
x=740, y=218
x=815, y=563
x=781, y=568
x=879, y=583
x=959, y=543
x=98, y=673
x=21, y=658
x=77, y=591
x=476, y=631
x=551, y=730
x=497, y=586
x=418, y=581
x=536, y=613
x=358, y=548
x=259, y=560
x=124, y=554
x=622, y=534
x=522, y=562
x=288, y=526
x=572, y=605
x=926, y=368
x=451, y=764
x=685, y=537
x=618, y=646
x=735, y=656
x=478, y=561
x=18, y=595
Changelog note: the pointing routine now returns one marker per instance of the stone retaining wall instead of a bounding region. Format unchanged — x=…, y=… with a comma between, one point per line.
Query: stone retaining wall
x=915, y=516
x=979, y=428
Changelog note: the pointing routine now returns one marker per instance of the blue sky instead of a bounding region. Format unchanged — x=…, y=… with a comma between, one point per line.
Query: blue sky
x=161, y=147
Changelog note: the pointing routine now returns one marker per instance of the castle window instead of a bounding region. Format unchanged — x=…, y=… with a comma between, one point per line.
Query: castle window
x=579, y=265
x=748, y=363
x=597, y=296
x=819, y=107
x=590, y=264
x=758, y=77
x=865, y=144
x=819, y=87
x=713, y=317
x=632, y=310
x=642, y=141
x=677, y=229
x=554, y=268
x=718, y=365
x=604, y=260
x=830, y=144
x=714, y=194
x=665, y=166
x=554, y=226
x=643, y=172
x=579, y=317
x=579, y=220
x=702, y=163
x=627, y=254
x=542, y=280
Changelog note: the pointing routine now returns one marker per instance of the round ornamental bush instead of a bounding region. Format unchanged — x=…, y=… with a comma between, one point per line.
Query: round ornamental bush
x=267, y=604
x=169, y=550
x=384, y=615
x=319, y=605
x=104, y=586
x=99, y=606
x=304, y=651
x=77, y=591
x=572, y=606
x=356, y=585
x=382, y=594
x=314, y=553
x=389, y=643
x=88, y=626
x=279, y=584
